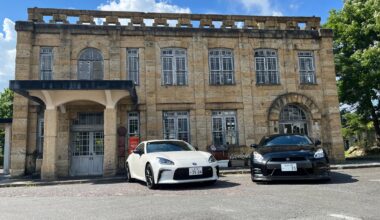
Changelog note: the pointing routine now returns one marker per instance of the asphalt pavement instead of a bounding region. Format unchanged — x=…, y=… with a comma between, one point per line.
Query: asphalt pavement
x=352, y=194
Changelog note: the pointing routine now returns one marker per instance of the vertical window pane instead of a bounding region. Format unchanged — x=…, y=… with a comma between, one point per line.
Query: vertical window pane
x=221, y=66
x=174, y=66
x=176, y=125
x=133, y=65
x=306, y=68
x=224, y=128
x=46, y=63
x=266, y=67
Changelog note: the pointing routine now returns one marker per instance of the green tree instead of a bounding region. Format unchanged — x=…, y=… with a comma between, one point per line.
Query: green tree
x=6, y=104
x=357, y=57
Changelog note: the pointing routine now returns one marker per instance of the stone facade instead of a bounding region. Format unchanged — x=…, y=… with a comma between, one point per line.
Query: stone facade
x=257, y=106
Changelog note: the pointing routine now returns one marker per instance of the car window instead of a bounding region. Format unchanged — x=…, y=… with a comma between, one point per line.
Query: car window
x=140, y=148
x=166, y=146
x=286, y=140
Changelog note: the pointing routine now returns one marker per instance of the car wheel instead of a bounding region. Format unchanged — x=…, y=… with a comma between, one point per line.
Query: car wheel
x=149, y=177
x=128, y=173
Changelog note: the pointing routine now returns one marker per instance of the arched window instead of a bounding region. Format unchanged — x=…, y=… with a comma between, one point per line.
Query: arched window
x=293, y=120
x=90, y=65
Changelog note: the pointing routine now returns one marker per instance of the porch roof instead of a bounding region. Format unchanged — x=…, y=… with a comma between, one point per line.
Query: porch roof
x=24, y=87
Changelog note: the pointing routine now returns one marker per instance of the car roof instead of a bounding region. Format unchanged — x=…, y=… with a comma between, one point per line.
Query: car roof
x=163, y=140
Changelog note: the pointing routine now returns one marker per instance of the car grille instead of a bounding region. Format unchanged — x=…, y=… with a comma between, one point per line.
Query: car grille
x=183, y=174
x=299, y=172
x=283, y=159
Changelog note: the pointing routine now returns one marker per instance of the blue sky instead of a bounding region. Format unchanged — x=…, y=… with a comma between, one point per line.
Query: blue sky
x=15, y=10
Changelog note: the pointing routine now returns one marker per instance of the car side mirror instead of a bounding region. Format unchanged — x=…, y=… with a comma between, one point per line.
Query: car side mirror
x=137, y=152
x=254, y=146
x=196, y=148
x=317, y=142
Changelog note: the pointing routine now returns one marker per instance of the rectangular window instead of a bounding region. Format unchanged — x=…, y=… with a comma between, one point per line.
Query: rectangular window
x=306, y=67
x=176, y=125
x=224, y=128
x=133, y=65
x=40, y=135
x=266, y=64
x=221, y=63
x=174, y=66
x=133, y=124
x=46, y=63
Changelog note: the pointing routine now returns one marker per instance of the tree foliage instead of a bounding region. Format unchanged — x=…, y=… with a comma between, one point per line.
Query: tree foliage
x=357, y=56
x=6, y=104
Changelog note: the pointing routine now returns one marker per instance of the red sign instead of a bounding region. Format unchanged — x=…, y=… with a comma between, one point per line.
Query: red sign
x=132, y=144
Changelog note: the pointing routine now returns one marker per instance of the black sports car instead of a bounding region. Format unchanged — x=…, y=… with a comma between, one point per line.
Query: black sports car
x=289, y=157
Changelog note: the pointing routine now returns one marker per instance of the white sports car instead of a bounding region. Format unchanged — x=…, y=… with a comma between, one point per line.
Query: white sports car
x=168, y=162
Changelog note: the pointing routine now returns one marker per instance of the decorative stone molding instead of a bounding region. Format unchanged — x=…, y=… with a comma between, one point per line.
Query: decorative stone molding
x=293, y=98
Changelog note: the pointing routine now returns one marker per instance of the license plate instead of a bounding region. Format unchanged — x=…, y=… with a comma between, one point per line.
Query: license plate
x=288, y=167
x=193, y=171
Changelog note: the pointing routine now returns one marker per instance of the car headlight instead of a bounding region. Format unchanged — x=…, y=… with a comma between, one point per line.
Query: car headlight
x=211, y=159
x=165, y=161
x=257, y=158
x=319, y=154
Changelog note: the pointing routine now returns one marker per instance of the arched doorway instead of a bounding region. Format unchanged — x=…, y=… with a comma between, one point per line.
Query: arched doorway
x=90, y=65
x=293, y=120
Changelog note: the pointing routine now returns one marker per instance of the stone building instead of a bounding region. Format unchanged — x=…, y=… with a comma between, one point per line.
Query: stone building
x=83, y=76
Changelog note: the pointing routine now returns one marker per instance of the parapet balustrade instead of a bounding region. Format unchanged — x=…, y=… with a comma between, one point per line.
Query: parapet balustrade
x=91, y=17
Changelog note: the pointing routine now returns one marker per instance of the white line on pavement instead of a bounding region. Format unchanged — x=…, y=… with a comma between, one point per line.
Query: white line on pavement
x=374, y=180
x=344, y=217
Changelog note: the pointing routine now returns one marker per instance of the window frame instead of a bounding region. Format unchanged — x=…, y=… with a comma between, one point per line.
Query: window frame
x=267, y=76
x=47, y=52
x=221, y=72
x=223, y=115
x=130, y=117
x=174, y=54
x=176, y=116
x=133, y=75
x=303, y=74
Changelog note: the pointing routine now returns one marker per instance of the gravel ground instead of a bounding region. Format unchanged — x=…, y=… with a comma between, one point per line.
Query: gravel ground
x=352, y=194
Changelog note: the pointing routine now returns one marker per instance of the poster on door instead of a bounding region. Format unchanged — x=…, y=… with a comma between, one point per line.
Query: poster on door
x=132, y=143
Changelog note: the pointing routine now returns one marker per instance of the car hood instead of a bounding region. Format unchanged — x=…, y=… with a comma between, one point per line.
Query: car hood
x=286, y=148
x=183, y=155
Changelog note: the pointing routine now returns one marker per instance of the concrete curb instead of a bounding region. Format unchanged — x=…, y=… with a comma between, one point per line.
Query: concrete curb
x=31, y=183
x=332, y=167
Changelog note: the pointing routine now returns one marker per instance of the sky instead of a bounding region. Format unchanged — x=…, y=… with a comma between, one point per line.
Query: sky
x=16, y=10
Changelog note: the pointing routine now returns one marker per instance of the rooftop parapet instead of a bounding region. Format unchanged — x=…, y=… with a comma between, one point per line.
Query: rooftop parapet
x=170, y=20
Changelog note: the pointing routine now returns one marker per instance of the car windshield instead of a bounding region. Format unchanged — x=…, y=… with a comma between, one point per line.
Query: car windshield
x=166, y=146
x=286, y=140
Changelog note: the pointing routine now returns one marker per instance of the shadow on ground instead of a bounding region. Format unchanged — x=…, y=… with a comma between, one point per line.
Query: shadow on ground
x=220, y=184
x=336, y=178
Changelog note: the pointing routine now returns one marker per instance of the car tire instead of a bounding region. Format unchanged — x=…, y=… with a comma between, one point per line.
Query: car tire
x=149, y=177
x=128, y=177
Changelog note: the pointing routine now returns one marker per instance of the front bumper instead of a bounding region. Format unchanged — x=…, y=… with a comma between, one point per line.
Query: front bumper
x=181, y=175
x=318, y=169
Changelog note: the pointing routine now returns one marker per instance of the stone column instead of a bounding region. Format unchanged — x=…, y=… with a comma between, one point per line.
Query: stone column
x=110, y=145
x=7, y=153
x=48, y=169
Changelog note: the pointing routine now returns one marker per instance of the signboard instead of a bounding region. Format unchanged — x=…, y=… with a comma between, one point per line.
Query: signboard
x=132, y=143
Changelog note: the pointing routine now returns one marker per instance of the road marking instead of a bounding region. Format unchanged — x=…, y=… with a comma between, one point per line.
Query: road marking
x=344, y=217
x=374, y=180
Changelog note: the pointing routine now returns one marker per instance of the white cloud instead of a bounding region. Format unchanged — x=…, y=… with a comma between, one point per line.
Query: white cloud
x=263, y=7
x=142, y=5
x=7, y=53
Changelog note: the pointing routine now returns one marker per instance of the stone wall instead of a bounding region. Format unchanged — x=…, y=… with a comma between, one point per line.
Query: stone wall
x=253, y=103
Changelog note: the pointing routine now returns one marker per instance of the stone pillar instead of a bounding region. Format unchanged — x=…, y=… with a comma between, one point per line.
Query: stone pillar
x=331, y=123
x=48, y=169
x=110, y=145
x=7, y=153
